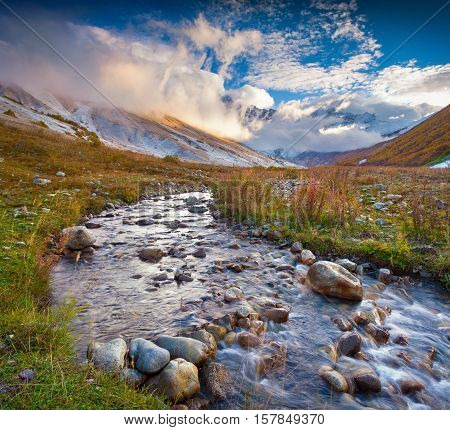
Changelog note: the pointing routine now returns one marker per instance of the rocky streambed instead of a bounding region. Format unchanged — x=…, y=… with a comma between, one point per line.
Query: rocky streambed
x=226, y=316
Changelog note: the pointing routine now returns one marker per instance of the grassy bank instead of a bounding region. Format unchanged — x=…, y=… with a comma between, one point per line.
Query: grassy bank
x=334, y=210
x=33, y=334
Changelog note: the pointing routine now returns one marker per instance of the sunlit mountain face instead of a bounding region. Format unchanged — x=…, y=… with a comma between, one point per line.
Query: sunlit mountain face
x=284, y=77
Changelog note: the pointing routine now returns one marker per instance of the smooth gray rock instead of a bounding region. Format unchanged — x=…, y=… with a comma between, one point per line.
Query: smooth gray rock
x=148, y=357
x=133, y=377
x=198, y=209
x=347, y=264
x=191, y=350
x=384, y=275
x=152, y=254
x=206, y=338
x=78, y=238
x=232, y=294
x=244, y=310
x=40, y=181
x=297, y=248
x=199, y=253
x=366, y=379
x=108, y=356
x=349, y=343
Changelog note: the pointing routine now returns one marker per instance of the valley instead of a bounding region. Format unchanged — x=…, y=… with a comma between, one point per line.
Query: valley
x=236, y=228
x=224, y=213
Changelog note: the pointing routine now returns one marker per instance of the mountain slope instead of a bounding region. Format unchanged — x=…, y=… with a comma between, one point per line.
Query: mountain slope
x=315, y=158
x=419, y=146
x=159, y=136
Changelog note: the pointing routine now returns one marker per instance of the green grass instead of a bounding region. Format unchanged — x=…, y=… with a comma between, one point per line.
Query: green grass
x=62, y=384
x=37, y=336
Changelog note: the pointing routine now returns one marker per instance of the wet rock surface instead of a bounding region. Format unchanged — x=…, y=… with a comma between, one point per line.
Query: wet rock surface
x=178, y=380
x=349, y=344
x=333, y=280
x=277, y=359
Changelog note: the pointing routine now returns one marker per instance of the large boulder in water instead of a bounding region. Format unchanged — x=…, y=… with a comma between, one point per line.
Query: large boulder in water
x=333, y=280
x=108, y=356
x=178, y=380
x=78, y=238
x=183, y=347
x=148, y=358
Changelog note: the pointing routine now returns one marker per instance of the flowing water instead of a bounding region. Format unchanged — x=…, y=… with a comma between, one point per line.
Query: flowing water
x=120, y=297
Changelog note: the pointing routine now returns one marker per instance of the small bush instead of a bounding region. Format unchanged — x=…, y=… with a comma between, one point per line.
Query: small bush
x=175, y=159
x=41, y=124
x=10, y=113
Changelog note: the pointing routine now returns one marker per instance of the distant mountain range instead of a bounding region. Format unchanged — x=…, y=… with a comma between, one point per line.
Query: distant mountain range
x=426, y=144
x=314, y=158
x=413, y=145
x=366, y=121
x=331, y=119
x=164, y=136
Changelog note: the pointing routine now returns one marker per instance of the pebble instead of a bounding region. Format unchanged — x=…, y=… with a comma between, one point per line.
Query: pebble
x=349, y=343
x=27, y=375
x=307, y=257
x=334, y=379
x=379, y=333
x=384, y=275
x=199, y=253
x=278, y=315
x=232, y=294
x=248, y=340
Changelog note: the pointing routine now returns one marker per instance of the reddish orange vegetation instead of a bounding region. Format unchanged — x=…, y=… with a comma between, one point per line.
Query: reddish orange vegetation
x=419, y=146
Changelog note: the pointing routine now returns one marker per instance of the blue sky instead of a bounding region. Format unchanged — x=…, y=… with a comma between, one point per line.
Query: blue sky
x=389, y=23
x=296, y=56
